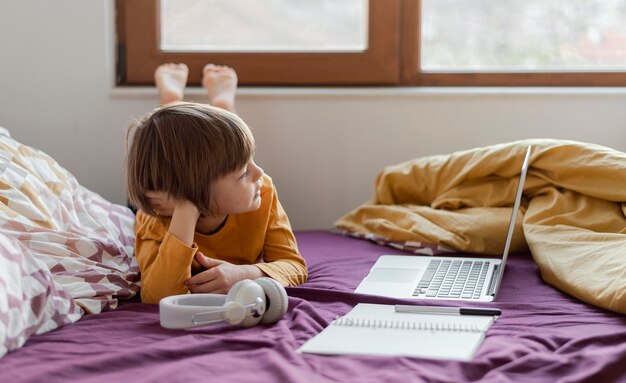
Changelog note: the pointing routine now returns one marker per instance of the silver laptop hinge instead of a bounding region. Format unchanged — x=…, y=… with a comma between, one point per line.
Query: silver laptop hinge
x=494, y=278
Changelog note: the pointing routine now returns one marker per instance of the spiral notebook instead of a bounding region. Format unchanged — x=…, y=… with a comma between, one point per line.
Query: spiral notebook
x=371, y=329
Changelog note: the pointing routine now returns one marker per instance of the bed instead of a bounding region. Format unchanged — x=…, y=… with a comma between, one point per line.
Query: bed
x=69, y=308
x=542, y=335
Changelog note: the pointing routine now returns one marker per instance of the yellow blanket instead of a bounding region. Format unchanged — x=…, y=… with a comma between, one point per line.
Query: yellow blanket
x=572, y=216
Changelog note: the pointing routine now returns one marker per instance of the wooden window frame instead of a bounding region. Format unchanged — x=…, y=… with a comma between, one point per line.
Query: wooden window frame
x=410, y=34
x=139, y=51
x=391, y=59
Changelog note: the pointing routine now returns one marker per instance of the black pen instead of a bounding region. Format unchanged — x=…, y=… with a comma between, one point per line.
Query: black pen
x=446, y=310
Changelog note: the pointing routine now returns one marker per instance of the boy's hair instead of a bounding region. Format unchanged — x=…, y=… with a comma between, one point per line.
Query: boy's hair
x=181, y=149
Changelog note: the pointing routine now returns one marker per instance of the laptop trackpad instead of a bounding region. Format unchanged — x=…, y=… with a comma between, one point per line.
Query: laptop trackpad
x=388, y=274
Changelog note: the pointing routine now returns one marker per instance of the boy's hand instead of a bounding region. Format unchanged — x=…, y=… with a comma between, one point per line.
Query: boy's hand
x=220, y=276
x=163, y=204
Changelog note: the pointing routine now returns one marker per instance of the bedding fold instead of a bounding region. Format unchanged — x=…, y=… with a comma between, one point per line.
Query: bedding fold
x=64, y=250
x=572, y=217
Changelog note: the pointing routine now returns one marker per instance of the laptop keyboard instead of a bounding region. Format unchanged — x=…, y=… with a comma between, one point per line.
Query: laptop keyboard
x=452, y=279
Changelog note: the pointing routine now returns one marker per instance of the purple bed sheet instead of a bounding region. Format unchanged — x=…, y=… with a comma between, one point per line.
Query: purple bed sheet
x=542, y=335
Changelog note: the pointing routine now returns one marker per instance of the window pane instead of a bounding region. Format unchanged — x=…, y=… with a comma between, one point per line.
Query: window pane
x=529, y=35
x=263, y=26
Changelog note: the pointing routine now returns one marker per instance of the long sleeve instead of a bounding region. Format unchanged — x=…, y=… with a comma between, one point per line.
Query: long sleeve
x=262, y=238
x=283, y=262
x=165, y=262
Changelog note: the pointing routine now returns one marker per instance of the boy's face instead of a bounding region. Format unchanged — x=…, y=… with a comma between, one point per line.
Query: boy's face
x=238, y=192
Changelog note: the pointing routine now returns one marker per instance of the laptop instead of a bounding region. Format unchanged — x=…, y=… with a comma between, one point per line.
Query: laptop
x=443, y=278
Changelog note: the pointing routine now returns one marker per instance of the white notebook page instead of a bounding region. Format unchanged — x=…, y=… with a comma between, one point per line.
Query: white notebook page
x=371, y=329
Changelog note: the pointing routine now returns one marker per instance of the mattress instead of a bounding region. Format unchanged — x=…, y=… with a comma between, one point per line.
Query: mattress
x=542, y=335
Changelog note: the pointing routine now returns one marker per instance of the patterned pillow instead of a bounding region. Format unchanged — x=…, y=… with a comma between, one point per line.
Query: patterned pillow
x=64, y=249
x=32, y=302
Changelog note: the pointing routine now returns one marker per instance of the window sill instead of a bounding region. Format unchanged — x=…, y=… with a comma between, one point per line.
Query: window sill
x=149, y=91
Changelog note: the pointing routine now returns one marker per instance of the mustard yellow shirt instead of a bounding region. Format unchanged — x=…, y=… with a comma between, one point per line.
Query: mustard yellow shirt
x=263, y=238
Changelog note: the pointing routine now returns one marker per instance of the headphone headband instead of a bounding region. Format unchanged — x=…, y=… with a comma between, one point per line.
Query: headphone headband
x=180, y=311
x=244, y=306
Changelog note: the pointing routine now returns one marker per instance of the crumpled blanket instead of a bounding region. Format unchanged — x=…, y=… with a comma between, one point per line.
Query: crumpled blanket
x=572, y=217
x=64, y=250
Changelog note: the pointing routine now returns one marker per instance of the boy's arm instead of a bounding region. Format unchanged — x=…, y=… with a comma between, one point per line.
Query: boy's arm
x=184, y=214
x=183, y=222
x=165, y=257
x=283, y=261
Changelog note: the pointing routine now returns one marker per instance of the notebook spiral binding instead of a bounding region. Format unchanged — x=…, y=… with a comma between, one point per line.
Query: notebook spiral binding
x=404, y=325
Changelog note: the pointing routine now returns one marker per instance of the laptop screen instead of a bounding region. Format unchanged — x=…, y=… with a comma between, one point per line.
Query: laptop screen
x=509, y=235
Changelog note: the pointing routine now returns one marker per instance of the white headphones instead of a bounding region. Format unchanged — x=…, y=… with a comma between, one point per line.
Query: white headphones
x=247, y=303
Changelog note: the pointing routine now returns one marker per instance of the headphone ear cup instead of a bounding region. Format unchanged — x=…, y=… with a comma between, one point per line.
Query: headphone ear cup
x=276, y=302
x=243, y=293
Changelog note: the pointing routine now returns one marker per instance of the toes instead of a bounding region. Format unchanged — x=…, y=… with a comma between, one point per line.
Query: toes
x=172, y=67
x=183, y=67
x=209, y=68
x=213, y=68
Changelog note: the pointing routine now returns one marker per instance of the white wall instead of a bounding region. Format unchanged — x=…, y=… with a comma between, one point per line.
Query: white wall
x=323, y=147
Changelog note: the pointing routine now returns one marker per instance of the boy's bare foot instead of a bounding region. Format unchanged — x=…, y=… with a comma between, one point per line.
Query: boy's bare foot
x=171, y=80
x=221, y=84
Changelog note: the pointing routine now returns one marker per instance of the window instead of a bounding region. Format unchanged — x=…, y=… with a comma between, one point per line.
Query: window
x=256, y=40
x=263, y=26
x=531, y=42
x=379, y=42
